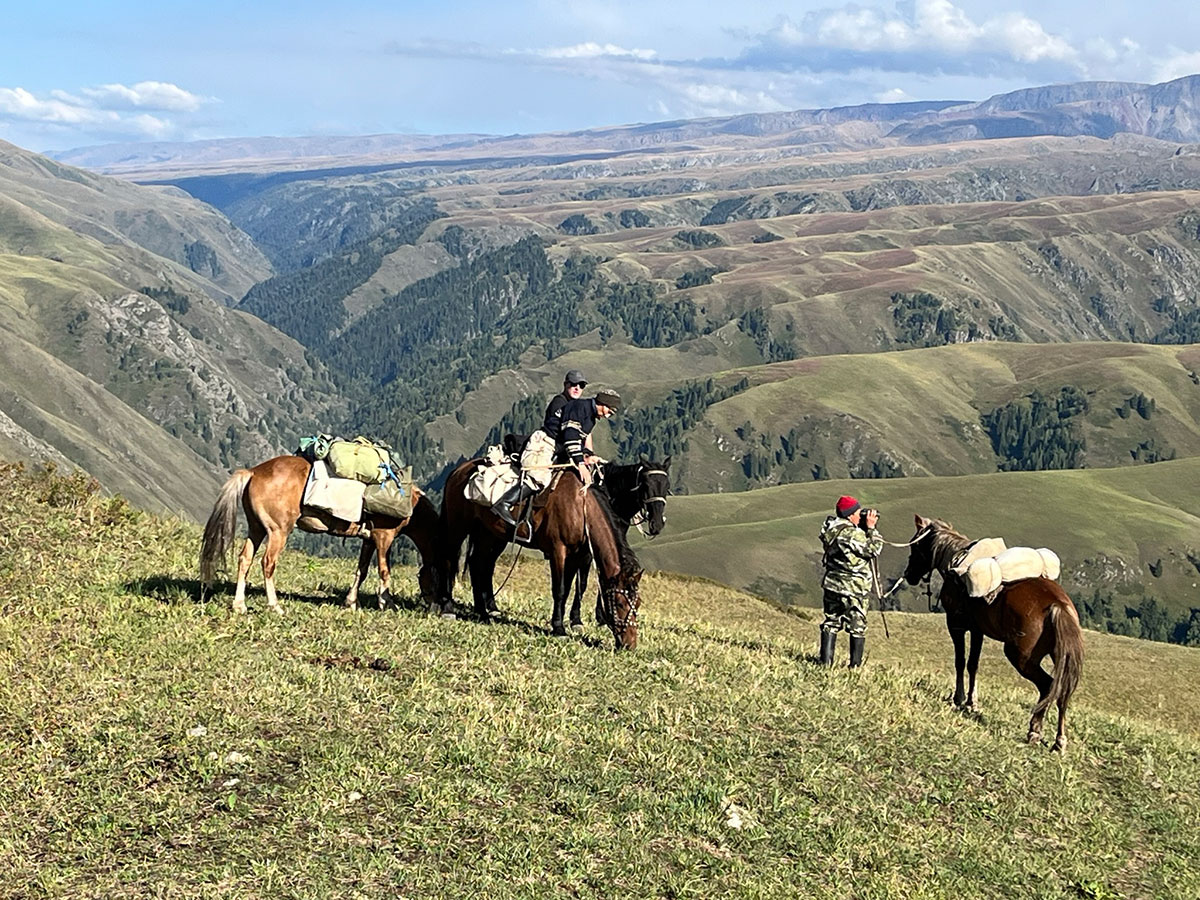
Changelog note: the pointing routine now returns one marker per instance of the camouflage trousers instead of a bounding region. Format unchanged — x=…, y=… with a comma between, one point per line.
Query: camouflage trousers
x=845, y=612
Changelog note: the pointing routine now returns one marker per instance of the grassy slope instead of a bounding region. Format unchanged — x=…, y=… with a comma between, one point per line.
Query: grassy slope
x=1138, y=514
x=347, y=755
x=161, y=221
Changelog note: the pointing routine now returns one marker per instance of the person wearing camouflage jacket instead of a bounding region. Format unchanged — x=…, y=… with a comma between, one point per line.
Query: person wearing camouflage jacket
x=847, y=583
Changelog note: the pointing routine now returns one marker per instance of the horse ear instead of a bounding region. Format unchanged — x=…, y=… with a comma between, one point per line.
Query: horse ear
x=643, y=460
x=921, y=523
x=666, y=463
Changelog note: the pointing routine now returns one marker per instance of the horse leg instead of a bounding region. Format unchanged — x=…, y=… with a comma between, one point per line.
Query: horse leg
x=482, y=562
x=561, y=576
x=973, y=668
x=958, y=635
x=383, y=550
x=1032, y=670
x=360, y=573
x=245, y=559
x=276, y=539
x=582, y=570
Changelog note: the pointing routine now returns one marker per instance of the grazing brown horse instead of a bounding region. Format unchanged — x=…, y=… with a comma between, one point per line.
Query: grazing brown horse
x=571, y=521
x=270, y=495
x=1034, y=618
x=638, y=495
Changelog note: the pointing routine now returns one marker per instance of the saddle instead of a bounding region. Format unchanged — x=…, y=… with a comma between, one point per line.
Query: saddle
x=526, y=507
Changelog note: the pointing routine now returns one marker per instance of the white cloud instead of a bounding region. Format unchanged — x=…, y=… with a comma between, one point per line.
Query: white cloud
x=895, y=95
x=145, y=95
x=930, y=35
x=109, y=111
x=592, y=50
x=1178, y=64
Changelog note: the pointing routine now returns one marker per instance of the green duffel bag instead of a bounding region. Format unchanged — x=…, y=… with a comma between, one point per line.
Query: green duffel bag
x=391, y=499
x=360, y=459
x=315, y=446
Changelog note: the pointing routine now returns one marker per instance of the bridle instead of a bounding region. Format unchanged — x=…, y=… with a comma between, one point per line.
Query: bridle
x=609, y=596
x=643, y=514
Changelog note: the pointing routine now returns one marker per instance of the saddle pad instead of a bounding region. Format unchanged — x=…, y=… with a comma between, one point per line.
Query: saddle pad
x=341, y=497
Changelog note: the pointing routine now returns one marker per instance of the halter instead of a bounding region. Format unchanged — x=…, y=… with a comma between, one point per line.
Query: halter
x=630, y=618
x=643, y=514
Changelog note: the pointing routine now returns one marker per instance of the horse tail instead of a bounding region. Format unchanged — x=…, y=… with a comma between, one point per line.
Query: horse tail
x=221, y=526
x=1068, y=657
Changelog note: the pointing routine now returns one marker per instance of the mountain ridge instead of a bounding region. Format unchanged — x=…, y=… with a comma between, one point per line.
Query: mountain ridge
x=1167, y=111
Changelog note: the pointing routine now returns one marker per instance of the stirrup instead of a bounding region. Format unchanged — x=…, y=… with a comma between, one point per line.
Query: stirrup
x=523, y=532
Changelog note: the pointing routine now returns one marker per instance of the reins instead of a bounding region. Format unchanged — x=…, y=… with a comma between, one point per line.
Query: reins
x=880, y=596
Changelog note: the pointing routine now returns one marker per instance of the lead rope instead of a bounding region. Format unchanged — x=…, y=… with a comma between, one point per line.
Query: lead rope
x=876, y=579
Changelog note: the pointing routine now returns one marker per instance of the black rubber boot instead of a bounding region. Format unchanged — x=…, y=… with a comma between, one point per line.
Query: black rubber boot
x=503, y=506
x=828, y=641
x=858, y=643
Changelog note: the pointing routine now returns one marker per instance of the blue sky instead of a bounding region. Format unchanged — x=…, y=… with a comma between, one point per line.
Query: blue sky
x=78, y=73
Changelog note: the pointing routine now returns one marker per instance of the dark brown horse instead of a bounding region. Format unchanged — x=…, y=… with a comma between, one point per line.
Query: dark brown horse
x=1034, y=618
x=571, y=521
x=270, y=496
x=638, y=494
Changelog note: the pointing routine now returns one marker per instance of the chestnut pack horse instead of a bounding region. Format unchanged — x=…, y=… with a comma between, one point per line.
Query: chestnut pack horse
x=270, y=495
x=1034, y=618
x=571, y=521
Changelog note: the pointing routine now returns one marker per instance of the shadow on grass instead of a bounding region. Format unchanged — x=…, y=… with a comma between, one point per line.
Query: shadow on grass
x=169, y=589
x=526, y=627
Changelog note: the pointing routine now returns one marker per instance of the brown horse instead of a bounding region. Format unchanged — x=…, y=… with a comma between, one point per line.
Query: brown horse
x=270, y=496
x=571, y=520
x=1034, y=618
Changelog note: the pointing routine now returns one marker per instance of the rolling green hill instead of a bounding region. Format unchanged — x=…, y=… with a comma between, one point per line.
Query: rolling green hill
x=1127, y=532
x=154, y=745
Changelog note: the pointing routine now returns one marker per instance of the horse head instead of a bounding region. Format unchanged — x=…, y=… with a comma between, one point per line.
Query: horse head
x=620, y=601
x=920, y=554
x=654, y=486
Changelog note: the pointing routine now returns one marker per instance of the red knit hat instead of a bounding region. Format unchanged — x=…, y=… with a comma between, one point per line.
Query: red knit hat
x=846, y=506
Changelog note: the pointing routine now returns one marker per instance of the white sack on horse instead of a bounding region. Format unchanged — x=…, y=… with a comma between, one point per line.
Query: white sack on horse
x=982, y=577
x=491, y=479
x=1051, y=563
x=984, y=547
x=340, y=497
x=1017, y=563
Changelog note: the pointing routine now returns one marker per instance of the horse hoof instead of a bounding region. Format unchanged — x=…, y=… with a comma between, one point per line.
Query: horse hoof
x=558, y=632
x=447, y=615
x=1059, y=747
x=577, y=626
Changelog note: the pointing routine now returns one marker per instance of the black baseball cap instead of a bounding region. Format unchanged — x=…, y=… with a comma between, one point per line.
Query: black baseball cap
x=574, y=376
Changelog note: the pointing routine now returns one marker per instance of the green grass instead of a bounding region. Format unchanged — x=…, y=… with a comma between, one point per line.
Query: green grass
x=154, y=746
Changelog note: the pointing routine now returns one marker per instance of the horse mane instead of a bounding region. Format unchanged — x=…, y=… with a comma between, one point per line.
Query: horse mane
x=946, y=541
x=629, y=562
